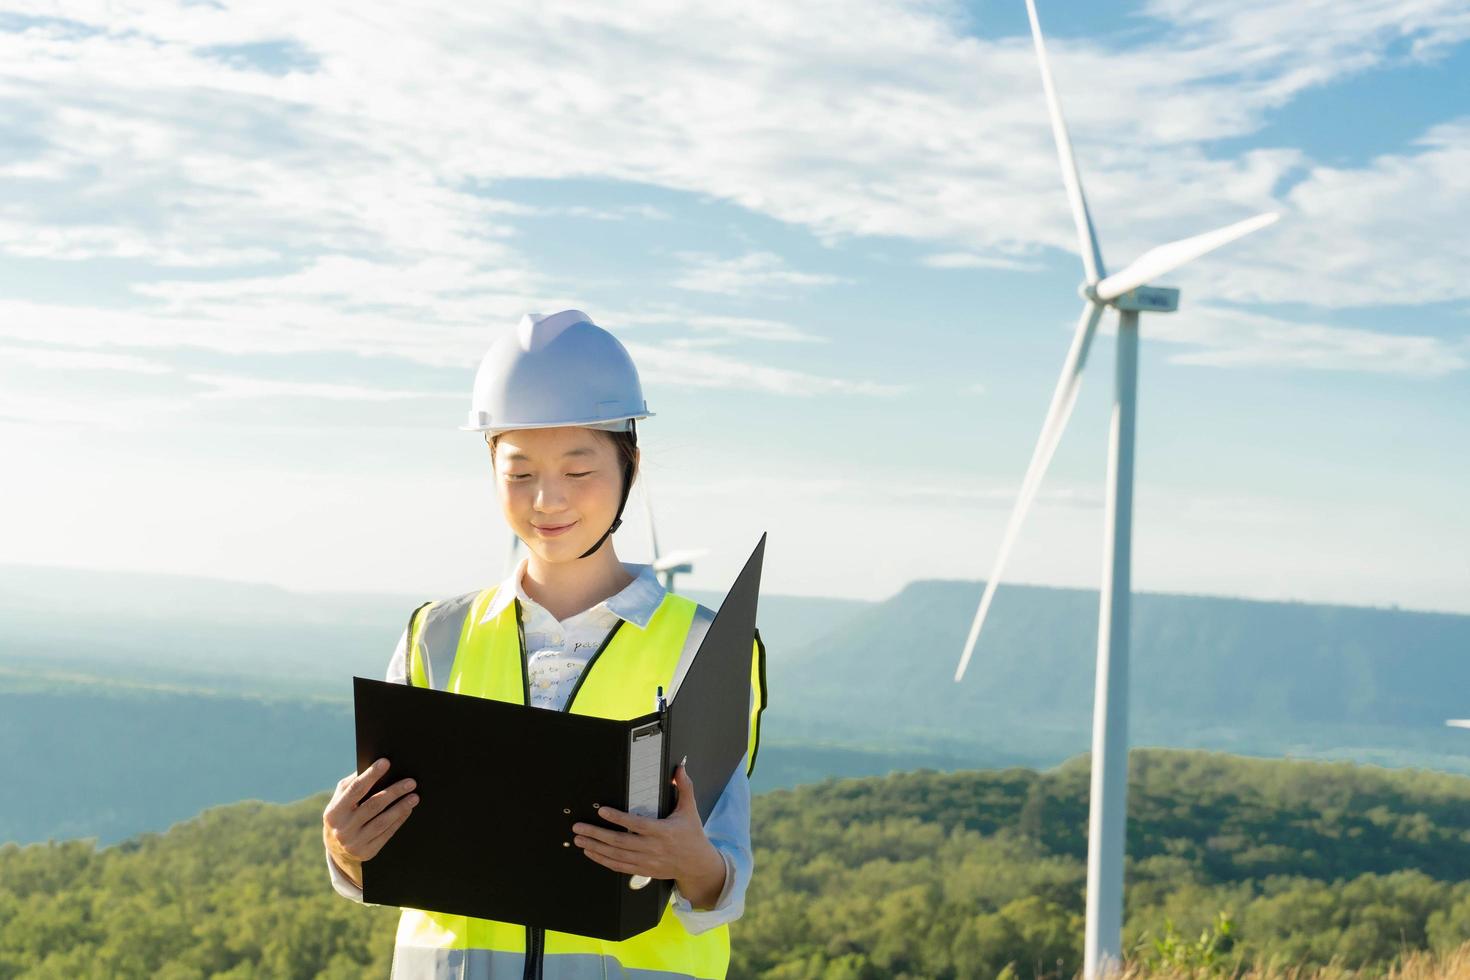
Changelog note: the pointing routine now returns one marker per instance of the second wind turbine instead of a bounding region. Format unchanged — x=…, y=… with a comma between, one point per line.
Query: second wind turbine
x=1129, y=293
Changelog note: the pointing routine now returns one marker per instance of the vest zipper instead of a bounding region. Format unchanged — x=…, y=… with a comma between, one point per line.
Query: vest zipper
x=535, y=953
x=536, y=936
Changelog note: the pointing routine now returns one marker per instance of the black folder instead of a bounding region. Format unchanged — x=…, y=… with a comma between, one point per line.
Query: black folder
x=501, y=784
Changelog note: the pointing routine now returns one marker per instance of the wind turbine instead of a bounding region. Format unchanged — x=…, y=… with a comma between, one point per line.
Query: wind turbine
x=1458, y=723
x=1129, y=293
x=675, y=562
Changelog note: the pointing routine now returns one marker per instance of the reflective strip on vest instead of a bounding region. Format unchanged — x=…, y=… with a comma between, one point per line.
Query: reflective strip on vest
x=458, y=653
x=433, y=631
x=703, y=619
x=427, y=963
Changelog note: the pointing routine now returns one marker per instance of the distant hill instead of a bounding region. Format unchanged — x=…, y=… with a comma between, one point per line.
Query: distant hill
x=138, y=700
x=857, y=688
x=945, y=875
x=249, y=638
x=174, y=629
x=1266, y=678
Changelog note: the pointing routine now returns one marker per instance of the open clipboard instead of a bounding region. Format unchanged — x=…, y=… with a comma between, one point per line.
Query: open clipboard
x=501, y=784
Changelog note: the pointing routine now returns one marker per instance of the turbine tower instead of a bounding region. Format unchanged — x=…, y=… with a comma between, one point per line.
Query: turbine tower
x=1130, y=294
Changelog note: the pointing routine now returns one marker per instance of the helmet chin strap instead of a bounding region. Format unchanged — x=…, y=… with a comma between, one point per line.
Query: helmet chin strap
x=618, y=520
x=627, y=488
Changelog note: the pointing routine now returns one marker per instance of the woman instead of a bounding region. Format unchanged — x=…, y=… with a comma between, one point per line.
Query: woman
x=558, y=402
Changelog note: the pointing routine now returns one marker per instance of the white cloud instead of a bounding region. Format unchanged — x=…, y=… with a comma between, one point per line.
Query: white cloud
x=1390, y=232
x=754, y=272
x=1329, y=36
x=918, y=491
x=52, y=358
x=1003, y=498
x=83, y=241
x=647, y=212
x=715, y=329
x=237, y=325
x=971, y=260
x=704, y=369
x=258, y=325
x=236, y=386
x=847, y=118
x=95, y=410
x=366, y=180
x=365, y=170
x=1235, y=338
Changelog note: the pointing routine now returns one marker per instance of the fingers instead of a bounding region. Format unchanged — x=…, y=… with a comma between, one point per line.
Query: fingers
x=360, y=784
x=611, y=849
x=612, y=838
x=685, y=785
x=613, y=858
x=380, y=800
x=357, y=828
x=398, y=811
x=637, y=824
x=385, y=826
x=365, y=840
x=623, y=866
x=350, y=791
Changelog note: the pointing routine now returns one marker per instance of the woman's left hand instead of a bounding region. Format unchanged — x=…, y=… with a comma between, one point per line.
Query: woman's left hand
x=672, y=848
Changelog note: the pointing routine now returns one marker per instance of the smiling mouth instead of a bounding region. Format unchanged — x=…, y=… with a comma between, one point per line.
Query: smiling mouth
x=552, y=530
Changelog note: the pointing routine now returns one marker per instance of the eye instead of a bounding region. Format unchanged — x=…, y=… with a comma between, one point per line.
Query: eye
x=587, y=473
x=516, y=476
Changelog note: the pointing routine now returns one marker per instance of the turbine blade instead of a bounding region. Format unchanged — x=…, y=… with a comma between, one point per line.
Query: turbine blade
x=674, y=559
x=1459, y=722
x=1057, y=414
x=648, y=510
x=1166, y=258
x=1092, y=262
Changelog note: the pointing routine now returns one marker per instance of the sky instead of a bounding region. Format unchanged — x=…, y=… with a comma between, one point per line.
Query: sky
x=251, y=254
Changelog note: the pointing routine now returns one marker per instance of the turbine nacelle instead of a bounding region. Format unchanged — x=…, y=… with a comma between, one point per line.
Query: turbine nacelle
x=678, y=561
x=1141, y=299
x=1148, y=299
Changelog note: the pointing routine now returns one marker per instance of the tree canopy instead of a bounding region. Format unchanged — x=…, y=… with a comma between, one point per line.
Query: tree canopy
x=918, y=874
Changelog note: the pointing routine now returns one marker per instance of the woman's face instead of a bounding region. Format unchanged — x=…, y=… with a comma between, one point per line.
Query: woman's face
x=559, y=488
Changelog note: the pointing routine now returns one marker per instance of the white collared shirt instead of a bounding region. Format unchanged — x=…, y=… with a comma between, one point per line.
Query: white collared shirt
x=557, y=651
x=556, y=654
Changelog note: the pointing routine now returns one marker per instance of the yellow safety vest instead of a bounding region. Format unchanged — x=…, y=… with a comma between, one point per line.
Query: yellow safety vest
x=449, y=649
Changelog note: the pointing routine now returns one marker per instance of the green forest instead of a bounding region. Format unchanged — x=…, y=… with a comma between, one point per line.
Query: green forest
x=919, y=874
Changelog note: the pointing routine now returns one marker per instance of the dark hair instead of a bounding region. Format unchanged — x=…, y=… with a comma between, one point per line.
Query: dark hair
x=626, y=444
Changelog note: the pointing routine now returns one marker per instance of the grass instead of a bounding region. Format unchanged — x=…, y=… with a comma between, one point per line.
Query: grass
x=1412, y=965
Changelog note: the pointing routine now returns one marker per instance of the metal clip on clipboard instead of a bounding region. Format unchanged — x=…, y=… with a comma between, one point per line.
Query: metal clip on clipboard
x=645, y=764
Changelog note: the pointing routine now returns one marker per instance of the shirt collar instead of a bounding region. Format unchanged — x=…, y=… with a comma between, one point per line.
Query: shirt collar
x=636, y=603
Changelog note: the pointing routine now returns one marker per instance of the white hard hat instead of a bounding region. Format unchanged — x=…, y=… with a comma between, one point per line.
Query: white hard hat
x=556, y=370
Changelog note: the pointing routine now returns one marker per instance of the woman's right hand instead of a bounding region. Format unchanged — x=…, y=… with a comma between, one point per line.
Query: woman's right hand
x=355, y=829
